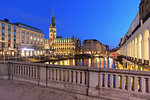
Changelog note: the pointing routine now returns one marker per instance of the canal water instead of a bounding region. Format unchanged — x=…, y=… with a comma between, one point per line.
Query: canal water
x=100, y=63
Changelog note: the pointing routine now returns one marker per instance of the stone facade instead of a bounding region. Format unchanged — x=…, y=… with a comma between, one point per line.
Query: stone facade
x=144, y=9
x=31, y=40
x=93, y=46
x=9, y=38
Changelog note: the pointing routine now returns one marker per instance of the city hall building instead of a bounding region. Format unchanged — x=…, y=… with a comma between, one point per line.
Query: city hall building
x=58, y=45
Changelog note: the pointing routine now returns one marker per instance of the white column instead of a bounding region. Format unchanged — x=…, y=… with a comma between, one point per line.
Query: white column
x=66, y=76
x=149, y=49
x=117, y=82
x=143, y=85
x=58, y=78
x=54, y=74
x=106, y=80
x=148, y=85
x=129, y=83
x=135, y=83
x=83, y=77
x=62, y=77
x=79, y=77
x=123, y=82
x=51, y=74
x=70, y=76
x=74, y=76
x=111, y=81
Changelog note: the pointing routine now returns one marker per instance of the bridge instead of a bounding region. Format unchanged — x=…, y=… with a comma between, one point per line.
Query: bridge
x=112, y=84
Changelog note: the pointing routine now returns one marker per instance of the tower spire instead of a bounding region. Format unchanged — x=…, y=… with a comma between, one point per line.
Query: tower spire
x=53, y=24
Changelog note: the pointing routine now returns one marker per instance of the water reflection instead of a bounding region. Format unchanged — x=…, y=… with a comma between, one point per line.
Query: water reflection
x=100, y=63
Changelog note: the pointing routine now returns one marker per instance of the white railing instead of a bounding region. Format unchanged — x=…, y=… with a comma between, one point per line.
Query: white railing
x=102, y=83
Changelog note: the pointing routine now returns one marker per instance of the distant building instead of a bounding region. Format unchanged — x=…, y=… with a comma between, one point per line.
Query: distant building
x=61, y=46
x=93, y=46
x=18, y=39
x=66, y=46
x=31, y=40
x=9, y=38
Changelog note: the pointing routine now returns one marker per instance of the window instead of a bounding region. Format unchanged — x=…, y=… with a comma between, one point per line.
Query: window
x=34, y=34
x=22, y=36
x=3, y=31
x=2, y=37
x=31, y=34
x=22, y=31
x=14, y=28
x=14, y=33
x=9, y=32
x=27, y=37
x=9, y=38
x=27, y=32
x=14, y=39
x=3, y=25
x=9, y=27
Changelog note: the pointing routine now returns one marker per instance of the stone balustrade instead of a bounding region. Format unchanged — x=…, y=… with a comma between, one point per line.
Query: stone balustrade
x=102, y=83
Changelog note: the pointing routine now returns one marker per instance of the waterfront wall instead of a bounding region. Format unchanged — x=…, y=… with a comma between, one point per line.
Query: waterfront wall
x=101, y=83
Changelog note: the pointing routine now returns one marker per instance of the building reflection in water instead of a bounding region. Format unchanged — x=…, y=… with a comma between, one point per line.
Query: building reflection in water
x=100, y=63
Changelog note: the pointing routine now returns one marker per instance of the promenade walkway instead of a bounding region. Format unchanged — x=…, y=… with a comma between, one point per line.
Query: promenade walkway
x=16, y=90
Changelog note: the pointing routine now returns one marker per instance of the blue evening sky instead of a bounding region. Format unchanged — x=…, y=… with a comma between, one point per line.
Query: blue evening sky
x=104, y=20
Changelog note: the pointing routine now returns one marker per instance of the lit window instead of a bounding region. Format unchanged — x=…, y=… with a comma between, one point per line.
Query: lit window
x=9, y=27
x=38, y=39
x=41, y=39
x=14, y=28
x=35, y=38
x=9, y=32
x=14, y=33
x=3, y=25
x=31, y=37
x=9, y=38
x=3, y=31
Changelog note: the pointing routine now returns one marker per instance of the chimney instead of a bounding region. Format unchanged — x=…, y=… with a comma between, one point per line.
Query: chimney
x=6, y=20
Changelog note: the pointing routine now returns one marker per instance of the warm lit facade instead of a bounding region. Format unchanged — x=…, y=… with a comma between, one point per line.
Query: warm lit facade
x=93, y=46
x=9, y=39
x=31, y=40
x=61, y=46
x=52, y=31
x=136, y=42
x=66, y=46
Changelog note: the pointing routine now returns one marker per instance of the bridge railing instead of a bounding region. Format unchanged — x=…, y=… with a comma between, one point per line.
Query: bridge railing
x=103, y=83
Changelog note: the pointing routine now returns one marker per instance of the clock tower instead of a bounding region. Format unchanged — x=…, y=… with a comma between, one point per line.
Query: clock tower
x=52, y=30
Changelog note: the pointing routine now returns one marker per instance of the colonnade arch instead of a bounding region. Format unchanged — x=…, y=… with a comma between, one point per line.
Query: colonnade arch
x=138, y=46
x=146, y=45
